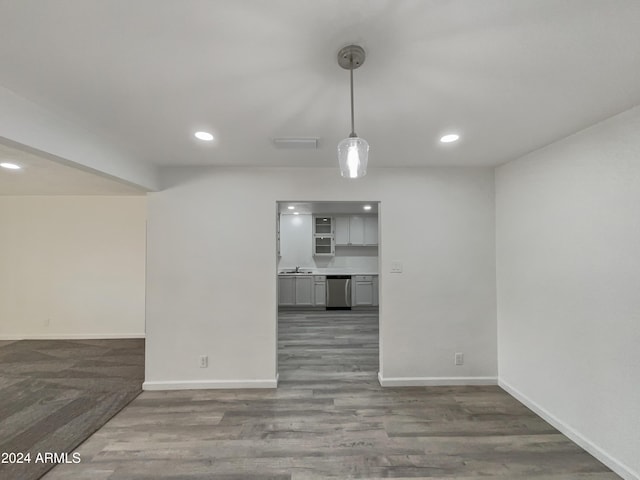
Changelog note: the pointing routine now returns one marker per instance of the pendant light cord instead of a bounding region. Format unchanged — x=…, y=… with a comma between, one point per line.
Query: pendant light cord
x=353, y=129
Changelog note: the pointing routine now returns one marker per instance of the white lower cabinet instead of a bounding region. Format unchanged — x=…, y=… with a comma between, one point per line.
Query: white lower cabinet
x=311, y=290
x=304, y=291
x=319, y=290
x=300, y=290
x=375, y=291
x=364, y=291
x=286, y=291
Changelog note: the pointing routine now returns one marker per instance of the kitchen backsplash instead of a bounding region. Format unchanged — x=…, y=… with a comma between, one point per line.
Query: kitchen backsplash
x=347, y=263
x=353, y=264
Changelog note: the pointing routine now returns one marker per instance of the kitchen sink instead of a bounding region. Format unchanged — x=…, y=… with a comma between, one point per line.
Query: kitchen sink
x=293, y=272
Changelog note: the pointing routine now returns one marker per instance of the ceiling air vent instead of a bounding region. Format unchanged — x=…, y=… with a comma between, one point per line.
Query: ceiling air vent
x=296, y=142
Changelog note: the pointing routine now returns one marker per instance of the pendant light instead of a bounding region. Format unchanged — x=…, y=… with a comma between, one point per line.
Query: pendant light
x=353, y=152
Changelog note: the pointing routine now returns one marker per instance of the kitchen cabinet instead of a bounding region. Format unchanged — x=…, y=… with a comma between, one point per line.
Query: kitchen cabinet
x=342, y=230
x=310, y=290
x=363, y=294
x=322, y=225
x=371, y=230
x=300, y=290
x=319, y=290
x=323, y=236
x=286, y=291
x=364, y=290
x=323, y=245
x=304, y=290
x=375, y=291
x=356, y=230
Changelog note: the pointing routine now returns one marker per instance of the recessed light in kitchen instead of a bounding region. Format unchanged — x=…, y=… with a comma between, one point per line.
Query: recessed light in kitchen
x=296, y=213
x=206, y=136
x=367, y=207
x=450, y=137
x=10, y=166
x=291, y=207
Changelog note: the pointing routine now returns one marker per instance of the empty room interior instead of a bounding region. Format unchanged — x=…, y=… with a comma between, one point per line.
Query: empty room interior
x=302, y=240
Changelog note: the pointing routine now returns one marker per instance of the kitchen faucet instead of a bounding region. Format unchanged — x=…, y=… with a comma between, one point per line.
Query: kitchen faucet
x=297, y=269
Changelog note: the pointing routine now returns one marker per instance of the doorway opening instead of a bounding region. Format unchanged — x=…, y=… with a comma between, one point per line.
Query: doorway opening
x=327, y=290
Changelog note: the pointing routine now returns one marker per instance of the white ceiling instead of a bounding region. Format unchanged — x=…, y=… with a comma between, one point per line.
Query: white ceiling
x=509, y=76
x=40, y=175
x=328, y=207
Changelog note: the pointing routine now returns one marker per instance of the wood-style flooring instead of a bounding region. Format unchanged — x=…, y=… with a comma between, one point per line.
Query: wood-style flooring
x=55, y=393
x=329, y=418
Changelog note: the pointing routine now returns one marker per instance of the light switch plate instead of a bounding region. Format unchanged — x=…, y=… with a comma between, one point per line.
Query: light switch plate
x=396, y=267
x=204, y=361
x=459, y=358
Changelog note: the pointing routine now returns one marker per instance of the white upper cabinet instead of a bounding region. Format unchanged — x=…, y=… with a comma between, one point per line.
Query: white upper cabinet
x=356, y=230
x=342, y=230
x=323, y=236
x=322, y=225
x=371, y=230
x=323, y=245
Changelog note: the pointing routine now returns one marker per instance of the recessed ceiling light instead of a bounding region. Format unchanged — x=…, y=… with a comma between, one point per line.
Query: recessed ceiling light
x=450, y=137
x=206, y=136
x=10, y=166
x=291, y=207
x=296, y=213
x=367, y=207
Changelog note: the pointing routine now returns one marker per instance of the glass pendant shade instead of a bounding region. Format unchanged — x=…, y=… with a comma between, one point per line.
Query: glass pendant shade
x=353, y=154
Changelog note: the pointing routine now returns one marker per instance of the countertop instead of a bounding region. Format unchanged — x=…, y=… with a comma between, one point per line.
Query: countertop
x=333, y=272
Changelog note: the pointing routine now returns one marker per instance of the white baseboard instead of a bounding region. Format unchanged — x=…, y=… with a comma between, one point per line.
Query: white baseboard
x=70, y=336
x=434, y=381
x=583, y=442
x=210, y=384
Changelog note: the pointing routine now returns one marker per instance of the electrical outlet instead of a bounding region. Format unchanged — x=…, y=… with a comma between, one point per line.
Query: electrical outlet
x=204, y=361
x=459, y=359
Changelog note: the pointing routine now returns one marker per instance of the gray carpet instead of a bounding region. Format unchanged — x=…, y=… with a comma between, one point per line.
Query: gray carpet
x=55, y=393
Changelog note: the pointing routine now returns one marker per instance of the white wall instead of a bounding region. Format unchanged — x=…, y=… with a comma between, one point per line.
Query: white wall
x=212, y=272
x=296, y=247
x=568, y=257
x=72, y=266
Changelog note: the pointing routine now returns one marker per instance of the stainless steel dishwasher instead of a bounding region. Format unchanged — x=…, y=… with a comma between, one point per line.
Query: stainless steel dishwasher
x=338, y=292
